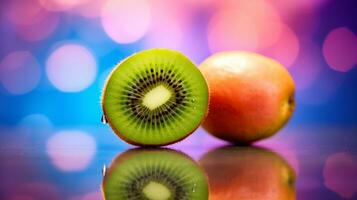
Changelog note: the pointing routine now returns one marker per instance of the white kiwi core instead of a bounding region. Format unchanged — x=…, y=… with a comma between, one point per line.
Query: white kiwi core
x=156, y=191
x=156, y=97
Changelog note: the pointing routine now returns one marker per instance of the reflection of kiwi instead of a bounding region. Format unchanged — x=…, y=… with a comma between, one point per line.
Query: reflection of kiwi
x=154, y=174
x=155, y=97
x=248, y=173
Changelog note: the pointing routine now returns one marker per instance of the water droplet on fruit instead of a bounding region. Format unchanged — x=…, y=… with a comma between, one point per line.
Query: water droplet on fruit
x=104, y=170
x=194, y=187
x=193, y=100
x=104, y=119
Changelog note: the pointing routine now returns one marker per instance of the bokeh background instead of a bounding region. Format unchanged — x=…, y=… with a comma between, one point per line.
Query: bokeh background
x=56, y=54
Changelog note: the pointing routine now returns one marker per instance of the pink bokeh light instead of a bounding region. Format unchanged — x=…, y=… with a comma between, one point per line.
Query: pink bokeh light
x=291, y=8
x=265, y=18
x=286, y=49
x=61, y=5
x=71, y=150
x=90, y=9
x=198, y=3
x=340, y=49
x=31, y=22
x=244, y=25
x=168, y=25
x=41, y=29
x=71, y=68
x=126, y=21
x=227, y=31
x=20, y=72
x=340, y=174
x=24, y=12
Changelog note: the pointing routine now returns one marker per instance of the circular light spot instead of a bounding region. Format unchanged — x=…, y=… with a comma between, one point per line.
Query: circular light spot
x=91, y=9
x=340, y=174
x=340, y=49
x=61, y=5
x=292, y=8
x=198, y=3
x=286, y=49
x=265, y=17
x=244, y=25
x=32, y=22
x=166, y=14
x=24, y=12
x=52, y=5
x=126, y=21
x=165, y=38
x=71, y=68
x=19, y=72
x=39, y=30
x=71, y=150
x=229, y=31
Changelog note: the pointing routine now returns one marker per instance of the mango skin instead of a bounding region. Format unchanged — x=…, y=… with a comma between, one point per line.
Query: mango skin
x=251, y=96
x=244, y=172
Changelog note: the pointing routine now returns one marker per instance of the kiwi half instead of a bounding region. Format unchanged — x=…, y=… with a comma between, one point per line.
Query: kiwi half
x=154, y=174
x=155, y=97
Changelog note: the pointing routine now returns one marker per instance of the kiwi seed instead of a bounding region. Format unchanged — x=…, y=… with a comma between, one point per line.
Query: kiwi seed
x=154, y=174
x=155, y=97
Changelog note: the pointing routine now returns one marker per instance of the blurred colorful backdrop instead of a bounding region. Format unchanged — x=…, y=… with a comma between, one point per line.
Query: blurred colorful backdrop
x=56, y=54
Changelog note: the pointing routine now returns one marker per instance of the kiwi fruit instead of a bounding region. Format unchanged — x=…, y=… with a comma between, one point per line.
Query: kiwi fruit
x=155, y=97
x=154, y=174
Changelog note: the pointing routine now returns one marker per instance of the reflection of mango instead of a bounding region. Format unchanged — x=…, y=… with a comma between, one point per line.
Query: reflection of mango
x=251, y=96
x=248, y=173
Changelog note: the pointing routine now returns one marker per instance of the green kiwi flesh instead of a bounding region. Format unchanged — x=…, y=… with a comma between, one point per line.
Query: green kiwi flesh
x=155, y=97
x=154, y=174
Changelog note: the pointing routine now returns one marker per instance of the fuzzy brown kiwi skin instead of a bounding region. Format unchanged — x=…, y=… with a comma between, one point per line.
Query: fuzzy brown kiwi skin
x=116, y=131
x=127, y=154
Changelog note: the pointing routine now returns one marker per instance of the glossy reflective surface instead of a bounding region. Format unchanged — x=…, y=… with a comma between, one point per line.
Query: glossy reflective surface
x=248, y=173
x=156, y=174
x=45, y=163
